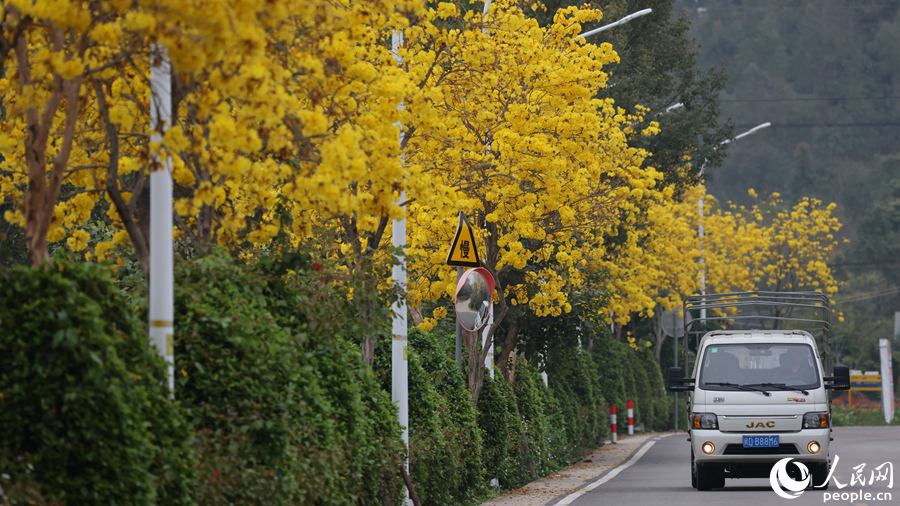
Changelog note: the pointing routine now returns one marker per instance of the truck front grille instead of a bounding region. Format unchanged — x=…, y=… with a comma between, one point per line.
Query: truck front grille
x=783, y=449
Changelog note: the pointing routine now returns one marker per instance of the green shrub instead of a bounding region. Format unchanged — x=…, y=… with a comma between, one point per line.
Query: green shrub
x=504, y=455
x=285, y=410
x=85, y=418
x=460, y=424
x=445, y=446
x=609, y=356
x=530, y=399
x=575, y=381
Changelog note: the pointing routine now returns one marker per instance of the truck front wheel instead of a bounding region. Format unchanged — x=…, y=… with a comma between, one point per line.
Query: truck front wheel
x=709, y=476
x=819, y=475
x=693, y=471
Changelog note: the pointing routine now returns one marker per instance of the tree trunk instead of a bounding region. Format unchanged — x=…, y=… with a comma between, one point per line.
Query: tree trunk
x=42, y=193
x=368, y=349
x=413, y=495
x=527, y=451
x=476, y=364
x=509, y=346
x=660, y=335
x=415, y=312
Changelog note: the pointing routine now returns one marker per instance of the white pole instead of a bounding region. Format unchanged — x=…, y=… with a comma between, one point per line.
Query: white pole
x=162, y=279
x=613, y=426
x=489, y=359
x=399, y=364
x=702, y=261
x=617, y=23
x=887, y=380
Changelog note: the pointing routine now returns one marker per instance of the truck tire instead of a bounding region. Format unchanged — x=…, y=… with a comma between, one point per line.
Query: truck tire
x=693, y=471
x=819, y=474
x=709, y=477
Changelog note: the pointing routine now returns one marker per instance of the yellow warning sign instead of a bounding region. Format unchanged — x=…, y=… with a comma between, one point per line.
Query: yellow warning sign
x=463, y=252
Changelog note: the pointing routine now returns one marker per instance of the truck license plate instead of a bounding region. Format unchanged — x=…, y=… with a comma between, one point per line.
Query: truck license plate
x=760, y=441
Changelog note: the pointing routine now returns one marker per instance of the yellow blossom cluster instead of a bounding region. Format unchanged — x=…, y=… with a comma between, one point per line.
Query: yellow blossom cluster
x=516, y=138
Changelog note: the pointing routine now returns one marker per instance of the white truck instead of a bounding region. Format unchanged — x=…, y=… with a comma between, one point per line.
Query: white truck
x=758, y=392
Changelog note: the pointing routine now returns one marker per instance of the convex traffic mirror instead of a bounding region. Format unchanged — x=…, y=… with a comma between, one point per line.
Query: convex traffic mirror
x=473, y=298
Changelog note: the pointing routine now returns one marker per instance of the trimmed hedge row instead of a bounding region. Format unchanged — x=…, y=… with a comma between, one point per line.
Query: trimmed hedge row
x=285, y=410
x=271, y=406
x=274, y=404
x=84, y=417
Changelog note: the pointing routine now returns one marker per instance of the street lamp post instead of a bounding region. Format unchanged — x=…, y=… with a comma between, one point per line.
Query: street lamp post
x=399, y=341
x=161, y=298
x=616, y=23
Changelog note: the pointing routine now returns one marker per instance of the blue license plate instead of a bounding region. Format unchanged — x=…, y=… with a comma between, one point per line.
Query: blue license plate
x=760, y=441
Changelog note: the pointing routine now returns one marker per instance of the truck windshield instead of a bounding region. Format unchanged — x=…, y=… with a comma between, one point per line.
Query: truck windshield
x=792, y=365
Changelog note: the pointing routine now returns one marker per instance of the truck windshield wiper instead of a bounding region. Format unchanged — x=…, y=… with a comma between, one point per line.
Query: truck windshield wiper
x=752, y=388
x=780, y=386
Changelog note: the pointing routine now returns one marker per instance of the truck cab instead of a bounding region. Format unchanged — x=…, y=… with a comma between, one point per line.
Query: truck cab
x=757, y=396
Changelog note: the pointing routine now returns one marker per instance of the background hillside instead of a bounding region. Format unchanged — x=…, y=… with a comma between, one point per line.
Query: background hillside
x=825, y=73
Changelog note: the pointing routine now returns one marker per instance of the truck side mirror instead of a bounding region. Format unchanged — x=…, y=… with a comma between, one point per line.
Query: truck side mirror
x=676, y=381
x=840, y=380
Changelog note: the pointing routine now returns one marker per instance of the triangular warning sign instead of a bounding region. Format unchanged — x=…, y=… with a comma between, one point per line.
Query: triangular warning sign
x=463, y=252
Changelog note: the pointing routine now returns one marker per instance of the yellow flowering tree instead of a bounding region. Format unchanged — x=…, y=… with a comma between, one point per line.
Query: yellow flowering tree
x=734, y=245
x=520, y=144
x=263, y=110
x=801, y=241
x=772, y=247
x=667, y=268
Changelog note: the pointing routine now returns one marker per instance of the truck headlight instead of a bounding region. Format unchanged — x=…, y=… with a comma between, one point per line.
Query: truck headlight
x=705, y=421
x=816, y=420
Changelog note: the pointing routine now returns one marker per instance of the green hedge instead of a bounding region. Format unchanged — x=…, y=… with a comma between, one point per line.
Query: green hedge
x=85, y=418
x=285, y=409
x=629, y=374
x=445, y=447
x=274, y=404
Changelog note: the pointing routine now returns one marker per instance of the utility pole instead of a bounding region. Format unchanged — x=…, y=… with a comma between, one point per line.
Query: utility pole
x=399, y=364
x=161, y=285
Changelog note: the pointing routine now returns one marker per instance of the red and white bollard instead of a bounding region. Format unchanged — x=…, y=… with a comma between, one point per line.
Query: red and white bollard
x=630, y=418
x=612, y=420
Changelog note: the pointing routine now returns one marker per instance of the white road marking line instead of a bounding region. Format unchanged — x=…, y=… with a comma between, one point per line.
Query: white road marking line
x=575, y=495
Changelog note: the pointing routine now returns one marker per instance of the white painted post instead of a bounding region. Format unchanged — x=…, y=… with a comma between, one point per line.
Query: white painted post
x=612, y=421
x=162, y=278
x=630, y=418
x=887, y=380
x=399, y=364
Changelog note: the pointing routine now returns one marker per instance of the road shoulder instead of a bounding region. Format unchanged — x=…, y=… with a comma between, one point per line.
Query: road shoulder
x=553, y=488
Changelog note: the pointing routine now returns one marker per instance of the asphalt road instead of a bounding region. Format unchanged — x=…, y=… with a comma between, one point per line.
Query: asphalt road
x=661, y=476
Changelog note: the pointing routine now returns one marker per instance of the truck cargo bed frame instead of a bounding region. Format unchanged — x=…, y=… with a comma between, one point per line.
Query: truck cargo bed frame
x=774, y=308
